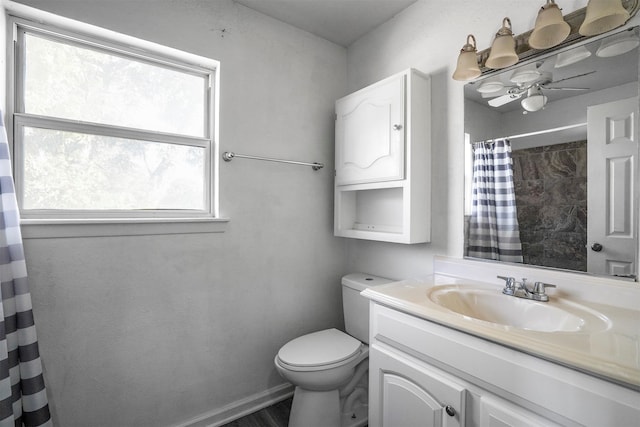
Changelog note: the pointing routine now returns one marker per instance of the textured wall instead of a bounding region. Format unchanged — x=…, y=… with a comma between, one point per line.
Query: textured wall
x=155, y=330
x=551, y=196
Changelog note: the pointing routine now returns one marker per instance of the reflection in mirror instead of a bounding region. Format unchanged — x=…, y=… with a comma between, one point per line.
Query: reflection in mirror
x=570, y=121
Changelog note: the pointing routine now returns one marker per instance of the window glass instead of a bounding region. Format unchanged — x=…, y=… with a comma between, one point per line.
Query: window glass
x=80, y=83
x=66, y=170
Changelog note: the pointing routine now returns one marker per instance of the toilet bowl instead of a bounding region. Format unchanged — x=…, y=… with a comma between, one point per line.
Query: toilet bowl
x=329, y=368
x=322, y=365
x=320, y=361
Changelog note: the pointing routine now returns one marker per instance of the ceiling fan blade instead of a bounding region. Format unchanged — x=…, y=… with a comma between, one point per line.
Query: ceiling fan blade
x=500, y=92
x=505, y=99
x=564, y=88
x=573, y=77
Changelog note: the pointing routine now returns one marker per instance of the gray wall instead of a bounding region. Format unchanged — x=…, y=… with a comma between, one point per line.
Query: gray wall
x=155, y=330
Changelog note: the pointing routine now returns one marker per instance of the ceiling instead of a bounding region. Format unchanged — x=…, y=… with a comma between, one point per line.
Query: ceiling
x=339, y=21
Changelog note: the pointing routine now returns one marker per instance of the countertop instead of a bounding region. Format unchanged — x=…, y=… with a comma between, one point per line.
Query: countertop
x=611, y=353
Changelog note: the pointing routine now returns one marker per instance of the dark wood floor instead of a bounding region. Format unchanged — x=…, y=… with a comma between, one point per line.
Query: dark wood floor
x=276, y=415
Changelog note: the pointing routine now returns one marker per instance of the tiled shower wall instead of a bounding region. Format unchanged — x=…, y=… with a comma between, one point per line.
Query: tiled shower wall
x=551, y=198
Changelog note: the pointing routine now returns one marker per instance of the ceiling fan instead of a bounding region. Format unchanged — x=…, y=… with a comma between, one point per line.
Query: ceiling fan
x=531, y=88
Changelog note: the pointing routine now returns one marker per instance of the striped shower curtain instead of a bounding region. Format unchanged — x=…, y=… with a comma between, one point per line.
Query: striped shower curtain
x=493, y=226
x=23, y=397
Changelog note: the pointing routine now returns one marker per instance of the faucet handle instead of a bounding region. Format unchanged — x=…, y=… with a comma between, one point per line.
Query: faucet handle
x=509, y=285
x=539, y=291
x=508, y=280
x=539, y=287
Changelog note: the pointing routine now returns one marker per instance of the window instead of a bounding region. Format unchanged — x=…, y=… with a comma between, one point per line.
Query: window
x=104, y=130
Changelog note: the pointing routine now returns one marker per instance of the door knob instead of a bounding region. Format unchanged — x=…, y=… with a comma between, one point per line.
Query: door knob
x=596, y=247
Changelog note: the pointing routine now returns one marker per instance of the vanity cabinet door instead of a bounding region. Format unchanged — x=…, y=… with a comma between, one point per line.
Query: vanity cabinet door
x=495, y=412
x=370, y=133
x=405, y=392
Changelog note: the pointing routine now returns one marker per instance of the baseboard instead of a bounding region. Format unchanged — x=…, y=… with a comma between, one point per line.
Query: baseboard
x=240, y=408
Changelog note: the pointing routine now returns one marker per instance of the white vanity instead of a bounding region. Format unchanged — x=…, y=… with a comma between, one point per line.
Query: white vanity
x=440, y=355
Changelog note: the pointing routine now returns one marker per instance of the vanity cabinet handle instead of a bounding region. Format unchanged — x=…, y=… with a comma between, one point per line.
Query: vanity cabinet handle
x=397, y=127
x=450, y=410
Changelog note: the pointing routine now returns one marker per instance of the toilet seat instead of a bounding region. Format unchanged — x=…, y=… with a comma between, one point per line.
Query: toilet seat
x=319, y=351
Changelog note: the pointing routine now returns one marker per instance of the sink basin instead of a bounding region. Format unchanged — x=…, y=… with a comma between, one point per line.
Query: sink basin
x=490, y=305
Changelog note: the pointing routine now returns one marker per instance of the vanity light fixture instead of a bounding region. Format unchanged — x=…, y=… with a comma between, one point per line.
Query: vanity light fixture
x=617, y=45
x=572, y=56
x=503, y=50
x=551, y=28
x=535, y=100
x=467, y=68
x=602, y=16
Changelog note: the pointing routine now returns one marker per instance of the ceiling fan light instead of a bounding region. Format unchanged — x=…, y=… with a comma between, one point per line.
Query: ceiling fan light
x=572, y=56
x=602, y=16
x=467, y=67
x=550, y=29
x=503, y=50
x=618, y=45
x=534, y=102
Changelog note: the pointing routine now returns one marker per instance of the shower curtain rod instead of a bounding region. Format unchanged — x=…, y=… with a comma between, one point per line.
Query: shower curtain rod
x=229, y=155
x=541, y=132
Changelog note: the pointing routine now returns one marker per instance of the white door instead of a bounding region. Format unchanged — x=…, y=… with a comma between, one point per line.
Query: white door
x=370, y=133
x=612, y=170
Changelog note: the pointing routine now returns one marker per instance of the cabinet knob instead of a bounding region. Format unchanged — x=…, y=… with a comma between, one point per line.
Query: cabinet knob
x=397, y=127
x=450, y=410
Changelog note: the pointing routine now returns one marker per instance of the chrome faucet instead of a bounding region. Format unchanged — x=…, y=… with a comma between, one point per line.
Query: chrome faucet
x=520, y=289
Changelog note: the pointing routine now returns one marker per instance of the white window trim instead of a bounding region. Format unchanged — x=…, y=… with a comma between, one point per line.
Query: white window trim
x=108, y=224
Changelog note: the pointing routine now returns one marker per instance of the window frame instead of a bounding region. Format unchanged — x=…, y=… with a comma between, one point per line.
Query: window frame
x=87, y=36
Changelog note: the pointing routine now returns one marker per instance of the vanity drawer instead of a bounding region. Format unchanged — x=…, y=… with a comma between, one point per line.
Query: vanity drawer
x=408, y=333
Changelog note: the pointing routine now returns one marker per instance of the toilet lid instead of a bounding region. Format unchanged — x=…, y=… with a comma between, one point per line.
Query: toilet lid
x=319, y=348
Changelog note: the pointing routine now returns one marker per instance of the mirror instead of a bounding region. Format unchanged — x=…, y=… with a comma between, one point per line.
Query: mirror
x=576, y=202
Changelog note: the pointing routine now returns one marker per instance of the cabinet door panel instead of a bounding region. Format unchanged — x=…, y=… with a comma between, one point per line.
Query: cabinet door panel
x=364, y=128
x=405, y=403
x=496, y=412
x=405, y=392
x=370, y=134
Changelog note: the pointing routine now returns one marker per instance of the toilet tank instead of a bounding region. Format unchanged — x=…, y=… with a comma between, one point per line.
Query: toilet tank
x=355, y=306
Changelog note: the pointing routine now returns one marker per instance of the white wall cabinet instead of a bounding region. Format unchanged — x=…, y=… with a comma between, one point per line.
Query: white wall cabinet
x=382, y=165
x=419, y=369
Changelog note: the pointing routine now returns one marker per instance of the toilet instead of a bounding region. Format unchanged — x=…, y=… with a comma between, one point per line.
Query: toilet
x=329, y=368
